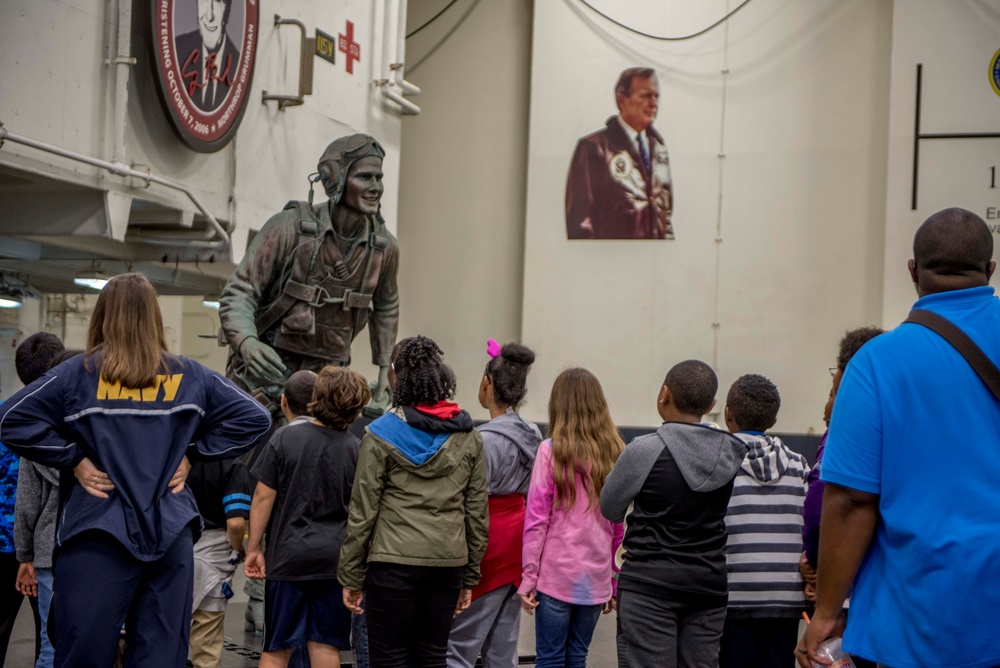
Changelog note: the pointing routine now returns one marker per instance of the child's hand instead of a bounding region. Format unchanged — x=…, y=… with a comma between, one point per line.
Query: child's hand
x=353, y=599
x=464, y=601
x=27, y=582
x=806, y=570
x=810, y=592
x=610, y=606
x=254, y=566
x=528, y=602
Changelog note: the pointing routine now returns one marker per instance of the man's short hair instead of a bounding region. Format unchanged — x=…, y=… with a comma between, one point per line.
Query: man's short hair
x=953, y=241
x=35, y=354
x=852, y=342
x=624, y=85
x=753, y=402
x=299, y=391
x=692, y=385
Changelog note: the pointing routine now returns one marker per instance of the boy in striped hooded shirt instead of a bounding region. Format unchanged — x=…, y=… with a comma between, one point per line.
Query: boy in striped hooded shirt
x=764, y=523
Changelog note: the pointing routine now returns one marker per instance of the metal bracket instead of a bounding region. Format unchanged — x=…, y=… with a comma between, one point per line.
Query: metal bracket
x=308, y=48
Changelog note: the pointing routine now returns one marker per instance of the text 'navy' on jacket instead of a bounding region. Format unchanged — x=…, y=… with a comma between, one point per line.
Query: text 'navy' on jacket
x=137, y=436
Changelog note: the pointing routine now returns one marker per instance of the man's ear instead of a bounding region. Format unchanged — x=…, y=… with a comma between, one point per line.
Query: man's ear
x=284, y=402
x=710, y=406
x=912, y=266
x=991, y=269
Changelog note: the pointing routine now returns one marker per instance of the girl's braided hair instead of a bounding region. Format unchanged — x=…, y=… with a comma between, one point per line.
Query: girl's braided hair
x=422, y=377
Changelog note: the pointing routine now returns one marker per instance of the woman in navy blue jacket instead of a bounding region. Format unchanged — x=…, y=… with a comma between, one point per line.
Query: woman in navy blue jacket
x=123, y=418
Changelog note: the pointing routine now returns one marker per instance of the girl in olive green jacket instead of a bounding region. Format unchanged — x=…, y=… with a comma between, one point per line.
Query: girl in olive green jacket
x=418, y=522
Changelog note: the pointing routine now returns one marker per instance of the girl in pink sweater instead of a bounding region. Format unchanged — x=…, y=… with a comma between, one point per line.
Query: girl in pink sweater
x=568, y=546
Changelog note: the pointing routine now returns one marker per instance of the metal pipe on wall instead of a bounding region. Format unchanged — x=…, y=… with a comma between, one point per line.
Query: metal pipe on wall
x=408, y=107
x=220, y=237
x=378, y=24
x=399, y=64
x=123, y=61
x=393, y=47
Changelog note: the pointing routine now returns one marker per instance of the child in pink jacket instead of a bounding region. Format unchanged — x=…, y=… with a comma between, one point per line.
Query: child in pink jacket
x=568, y=546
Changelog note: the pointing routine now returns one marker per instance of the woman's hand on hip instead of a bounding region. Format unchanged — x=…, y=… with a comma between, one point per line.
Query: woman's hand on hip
x=93, y=480
x=176, y=483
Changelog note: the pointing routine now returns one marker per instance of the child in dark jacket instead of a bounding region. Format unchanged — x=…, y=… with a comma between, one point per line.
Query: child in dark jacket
x=672, y=589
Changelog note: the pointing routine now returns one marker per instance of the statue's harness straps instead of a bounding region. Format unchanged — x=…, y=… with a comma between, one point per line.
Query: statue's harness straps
x=296, y=287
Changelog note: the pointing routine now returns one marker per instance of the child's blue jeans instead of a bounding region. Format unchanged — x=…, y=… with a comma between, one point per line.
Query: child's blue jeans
x=563, y=632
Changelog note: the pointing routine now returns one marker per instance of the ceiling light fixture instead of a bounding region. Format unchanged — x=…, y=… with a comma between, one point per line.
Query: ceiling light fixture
x=9, y=301
x=14, y=291
x=95, y=280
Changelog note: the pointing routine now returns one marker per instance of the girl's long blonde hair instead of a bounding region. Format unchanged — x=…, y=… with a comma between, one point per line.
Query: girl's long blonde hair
x=584, y=438
x=127, y=331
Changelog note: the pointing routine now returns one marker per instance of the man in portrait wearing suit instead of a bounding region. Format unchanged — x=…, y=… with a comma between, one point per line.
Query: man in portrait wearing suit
x=619, y=180
x=208, y=56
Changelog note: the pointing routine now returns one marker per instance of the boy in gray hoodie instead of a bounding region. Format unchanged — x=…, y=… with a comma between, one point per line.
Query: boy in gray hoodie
x=672, y=589
x=37, y=503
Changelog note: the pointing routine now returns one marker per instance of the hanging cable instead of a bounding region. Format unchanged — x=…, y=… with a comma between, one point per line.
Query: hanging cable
x=432, y=19
x=657, y=37
x=447, y=35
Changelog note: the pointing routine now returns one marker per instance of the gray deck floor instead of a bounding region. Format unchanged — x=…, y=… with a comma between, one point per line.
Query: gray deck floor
x=242, y=649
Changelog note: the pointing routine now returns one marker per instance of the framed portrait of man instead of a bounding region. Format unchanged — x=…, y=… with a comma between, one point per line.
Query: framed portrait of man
x=619, y=184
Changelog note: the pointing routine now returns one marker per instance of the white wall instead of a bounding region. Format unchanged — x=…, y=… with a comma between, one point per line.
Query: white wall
x=462, y=184
x=956, y=43
x=779, y=242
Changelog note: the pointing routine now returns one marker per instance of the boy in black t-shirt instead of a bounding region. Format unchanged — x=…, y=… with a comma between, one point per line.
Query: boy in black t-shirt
x=305, y=476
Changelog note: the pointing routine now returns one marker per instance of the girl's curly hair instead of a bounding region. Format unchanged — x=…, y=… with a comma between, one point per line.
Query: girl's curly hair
x=422, y=377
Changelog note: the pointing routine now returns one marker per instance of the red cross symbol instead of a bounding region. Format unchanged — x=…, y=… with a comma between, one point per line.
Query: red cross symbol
x=349, y=47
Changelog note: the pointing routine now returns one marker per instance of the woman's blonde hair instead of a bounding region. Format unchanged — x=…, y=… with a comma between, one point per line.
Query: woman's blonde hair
x=584, y=438
x=126, y=331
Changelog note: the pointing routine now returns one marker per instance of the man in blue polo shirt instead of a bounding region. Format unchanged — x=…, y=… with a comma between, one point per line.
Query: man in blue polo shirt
x=912, y=468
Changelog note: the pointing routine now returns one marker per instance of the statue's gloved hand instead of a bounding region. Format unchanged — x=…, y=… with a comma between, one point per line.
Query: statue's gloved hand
x=262, y=360
x=381, y=396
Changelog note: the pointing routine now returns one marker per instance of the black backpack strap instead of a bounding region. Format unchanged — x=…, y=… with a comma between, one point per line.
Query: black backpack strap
x=972, y=353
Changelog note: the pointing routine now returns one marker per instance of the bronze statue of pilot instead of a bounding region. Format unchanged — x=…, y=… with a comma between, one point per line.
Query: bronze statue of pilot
x=313, y=277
